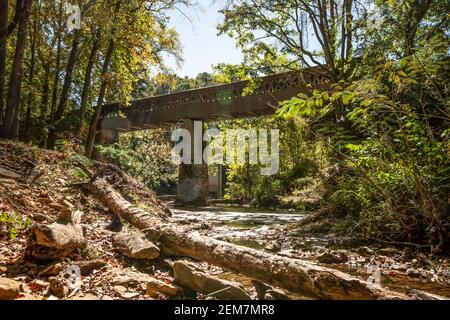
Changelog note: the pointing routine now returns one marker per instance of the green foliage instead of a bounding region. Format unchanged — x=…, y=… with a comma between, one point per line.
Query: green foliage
x=389, y=131
x=12, y=224
x=145, y=155
x=298, y=160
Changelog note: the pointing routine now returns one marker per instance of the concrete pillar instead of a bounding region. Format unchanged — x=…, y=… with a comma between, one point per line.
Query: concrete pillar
x=192, y=186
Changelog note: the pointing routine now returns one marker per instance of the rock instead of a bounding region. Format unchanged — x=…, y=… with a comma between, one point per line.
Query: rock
x=128, y=278
x=261, y=289
x=332, y=257
x=266, y=292
x=155, y=286
x=388, y=251
x=129, y=295
x=115, y=225
x=365, y=251
x=190, y=277
x=86, y=267
x=40, y=284
x=120, y=289
x=422, y=295
x=57, y=287
x=9, y=289
x=411, y=272
x=135, y=245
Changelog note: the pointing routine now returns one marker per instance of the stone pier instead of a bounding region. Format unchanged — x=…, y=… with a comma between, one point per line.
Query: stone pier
x=193, y=184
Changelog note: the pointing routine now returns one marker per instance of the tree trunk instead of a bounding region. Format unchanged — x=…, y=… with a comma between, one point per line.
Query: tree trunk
x=15, y=83
x=65, y=89
x=3, y=39
x=98, y=107
x=45, y=91
x=57, y=62
x=30, y=99
x=87, y=82
x=295, y=275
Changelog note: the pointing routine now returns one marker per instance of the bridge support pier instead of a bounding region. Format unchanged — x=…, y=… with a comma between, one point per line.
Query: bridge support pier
x=106, y=137
x=193, y=183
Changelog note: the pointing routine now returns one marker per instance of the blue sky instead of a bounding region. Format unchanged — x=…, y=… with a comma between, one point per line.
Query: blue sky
x=202, y=48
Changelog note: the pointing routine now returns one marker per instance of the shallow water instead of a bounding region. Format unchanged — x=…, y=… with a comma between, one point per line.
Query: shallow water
x=236, y=217
x=255, y=229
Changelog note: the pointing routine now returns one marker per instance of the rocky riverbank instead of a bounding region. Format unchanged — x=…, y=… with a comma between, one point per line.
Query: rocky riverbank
x=113, y=260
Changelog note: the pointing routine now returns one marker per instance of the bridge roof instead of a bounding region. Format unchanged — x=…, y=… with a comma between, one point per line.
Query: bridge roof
x=227, y=101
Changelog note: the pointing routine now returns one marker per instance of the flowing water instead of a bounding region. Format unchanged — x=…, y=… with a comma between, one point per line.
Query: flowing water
x=258, y=229
x=241, y=226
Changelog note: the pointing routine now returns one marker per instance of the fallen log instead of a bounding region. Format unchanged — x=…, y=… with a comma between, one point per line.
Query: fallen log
x=298, y=276
x=54, y=241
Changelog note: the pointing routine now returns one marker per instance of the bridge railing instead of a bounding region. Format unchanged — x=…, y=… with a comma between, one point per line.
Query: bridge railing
x=269, y=84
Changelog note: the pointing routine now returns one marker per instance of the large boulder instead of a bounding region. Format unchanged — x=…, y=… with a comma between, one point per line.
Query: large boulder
x=135, y=245
x=188, y=276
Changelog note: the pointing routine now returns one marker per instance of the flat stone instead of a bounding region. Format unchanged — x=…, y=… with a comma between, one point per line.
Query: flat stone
x=188, y=276
x=130, y=278
x=155, y=286
x=129, y=295
x=86, y=267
